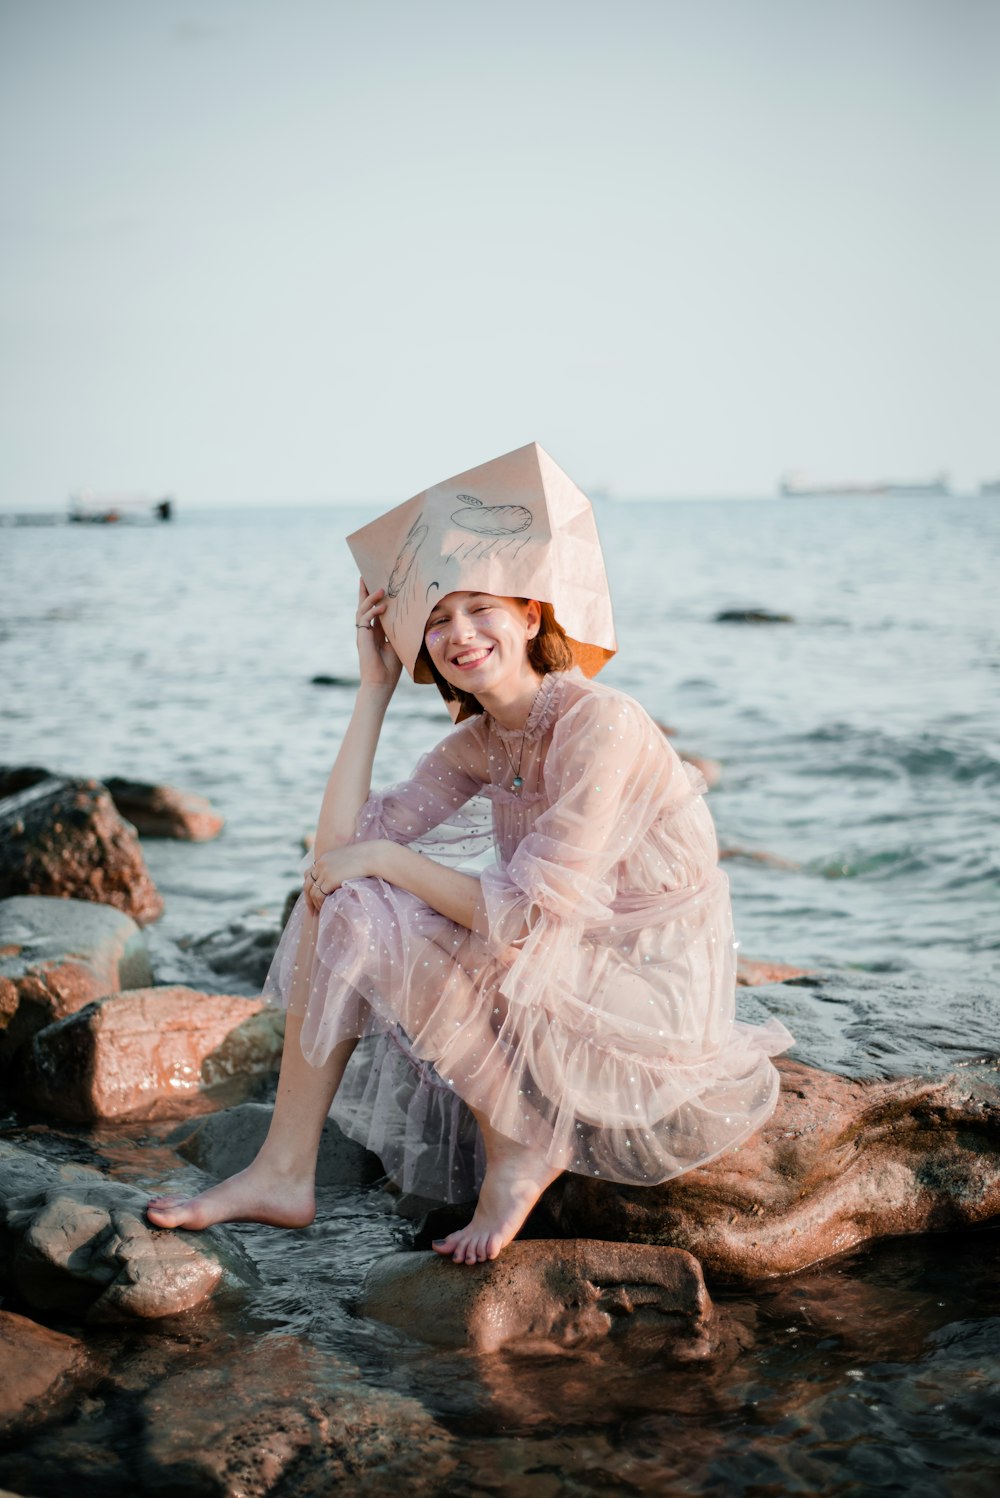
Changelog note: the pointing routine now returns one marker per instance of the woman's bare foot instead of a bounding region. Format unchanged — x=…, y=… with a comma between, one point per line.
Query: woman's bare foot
x=515, y=1178
x=260, y=1193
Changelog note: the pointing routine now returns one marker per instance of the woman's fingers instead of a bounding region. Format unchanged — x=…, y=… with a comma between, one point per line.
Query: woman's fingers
x=370, y=605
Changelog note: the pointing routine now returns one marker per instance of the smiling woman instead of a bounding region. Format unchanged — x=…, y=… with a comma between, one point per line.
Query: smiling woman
x=571, y=1005
x=548, y=648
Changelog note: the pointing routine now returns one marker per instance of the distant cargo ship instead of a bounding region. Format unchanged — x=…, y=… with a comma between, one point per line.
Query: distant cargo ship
x=797, y=485
x=92, y=508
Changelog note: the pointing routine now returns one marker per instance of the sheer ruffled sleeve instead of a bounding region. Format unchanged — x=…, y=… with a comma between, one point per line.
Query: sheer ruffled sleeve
x=437, y=809
x=609, y=774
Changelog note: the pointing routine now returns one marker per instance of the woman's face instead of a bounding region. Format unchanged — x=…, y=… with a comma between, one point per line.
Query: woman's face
x=479, y=642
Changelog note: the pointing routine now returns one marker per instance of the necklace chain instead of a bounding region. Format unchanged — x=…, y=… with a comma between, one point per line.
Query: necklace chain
x=518, y=780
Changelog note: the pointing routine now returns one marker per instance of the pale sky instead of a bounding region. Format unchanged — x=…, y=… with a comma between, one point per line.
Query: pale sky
x=301, y=250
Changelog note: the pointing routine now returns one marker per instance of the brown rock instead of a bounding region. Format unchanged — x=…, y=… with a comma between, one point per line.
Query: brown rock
x=164, y=811
x=36, y=1366
x=64, y=838
x=839, y=1162
x=558, y=1293
x=74, y=1242
x=56, y=956
x=275, y=1416
x=750, y=973
x=147, y=1052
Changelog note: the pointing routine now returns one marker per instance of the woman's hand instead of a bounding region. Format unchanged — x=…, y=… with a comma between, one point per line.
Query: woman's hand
x=330, y=870
x=380, y=665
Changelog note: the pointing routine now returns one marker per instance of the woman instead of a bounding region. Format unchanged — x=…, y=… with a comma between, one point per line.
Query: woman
x=569, y=1007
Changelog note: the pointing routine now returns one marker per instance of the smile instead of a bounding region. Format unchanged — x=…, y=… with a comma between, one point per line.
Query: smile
x=470, y=658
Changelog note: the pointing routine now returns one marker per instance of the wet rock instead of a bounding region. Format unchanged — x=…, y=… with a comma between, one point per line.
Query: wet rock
x=165, y=811
x=840, y=1162
x=276, y=1416
x=751, y=973
x=37, y=1366
x=146, y=1051
x=243, y=949
x=752, y=616
x=64, y=838
x=74, y=1242
x=58, y=955
x=223, y=1143
x=553, y=1292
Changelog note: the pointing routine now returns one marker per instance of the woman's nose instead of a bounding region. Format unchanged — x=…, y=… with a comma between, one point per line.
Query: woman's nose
x=462, y=627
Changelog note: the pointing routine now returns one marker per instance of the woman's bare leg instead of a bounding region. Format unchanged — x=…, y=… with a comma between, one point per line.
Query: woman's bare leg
x=515, y=1178
x=279, y=1187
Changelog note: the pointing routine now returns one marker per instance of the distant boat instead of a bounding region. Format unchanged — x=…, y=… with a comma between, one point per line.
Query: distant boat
x=797, y=485
x=91, y=507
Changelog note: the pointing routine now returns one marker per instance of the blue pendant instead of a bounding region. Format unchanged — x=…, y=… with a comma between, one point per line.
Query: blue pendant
x=518, y=782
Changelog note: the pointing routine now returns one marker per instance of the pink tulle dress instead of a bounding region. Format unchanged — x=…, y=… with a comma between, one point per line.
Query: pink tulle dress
x=605, y=1037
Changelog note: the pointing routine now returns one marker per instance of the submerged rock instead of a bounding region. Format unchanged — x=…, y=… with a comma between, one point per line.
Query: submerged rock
x=64, y=838
x=58, y=955
x=164, y=811
x=36, y=1367
x=840, y=1162
x=543, y=1291
x=224, y=1143
x=77, y=1243
x=276, y=1416
x=147, y=1052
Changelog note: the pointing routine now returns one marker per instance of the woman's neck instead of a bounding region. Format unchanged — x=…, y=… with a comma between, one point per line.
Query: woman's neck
x=510, y=706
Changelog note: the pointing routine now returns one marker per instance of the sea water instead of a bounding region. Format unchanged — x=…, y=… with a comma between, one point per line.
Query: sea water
x=859, y=742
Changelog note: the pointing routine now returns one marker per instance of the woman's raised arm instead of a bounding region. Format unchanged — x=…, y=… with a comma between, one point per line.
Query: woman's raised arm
x=349, y=784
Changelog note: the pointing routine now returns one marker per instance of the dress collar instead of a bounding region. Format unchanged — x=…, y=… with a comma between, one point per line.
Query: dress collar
x=539, y=719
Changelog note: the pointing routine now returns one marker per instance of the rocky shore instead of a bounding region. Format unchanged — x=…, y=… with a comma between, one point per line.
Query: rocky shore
x=133, y=1359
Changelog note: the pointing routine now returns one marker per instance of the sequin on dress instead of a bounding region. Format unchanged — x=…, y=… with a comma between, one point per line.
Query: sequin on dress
x=596, y=1021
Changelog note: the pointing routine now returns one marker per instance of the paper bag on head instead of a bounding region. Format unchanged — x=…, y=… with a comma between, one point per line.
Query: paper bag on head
x=517, y=527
